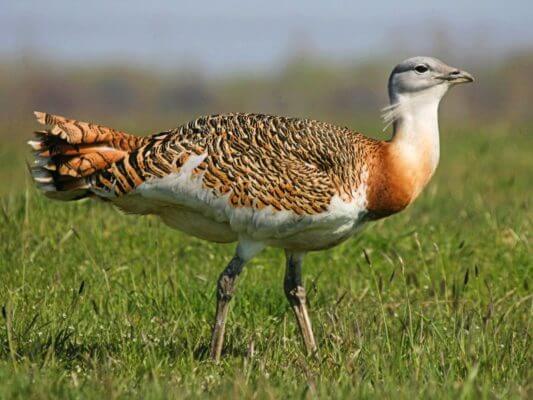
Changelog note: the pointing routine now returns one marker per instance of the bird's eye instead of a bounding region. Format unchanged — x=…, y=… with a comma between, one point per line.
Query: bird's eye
x=421, y=68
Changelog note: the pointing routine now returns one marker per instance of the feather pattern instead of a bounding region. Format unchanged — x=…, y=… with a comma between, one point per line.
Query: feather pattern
x=257, y=160
x=288, y=182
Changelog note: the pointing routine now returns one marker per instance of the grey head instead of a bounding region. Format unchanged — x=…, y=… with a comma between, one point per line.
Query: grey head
x=424, y=75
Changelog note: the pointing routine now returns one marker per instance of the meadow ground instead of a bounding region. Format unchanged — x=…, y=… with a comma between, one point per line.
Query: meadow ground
x=96, y=304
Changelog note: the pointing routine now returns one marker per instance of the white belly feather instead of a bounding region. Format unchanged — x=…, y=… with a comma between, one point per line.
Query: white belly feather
x=184, y=204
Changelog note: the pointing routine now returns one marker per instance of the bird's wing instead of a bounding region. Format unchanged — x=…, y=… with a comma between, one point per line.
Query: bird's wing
x=255, y=160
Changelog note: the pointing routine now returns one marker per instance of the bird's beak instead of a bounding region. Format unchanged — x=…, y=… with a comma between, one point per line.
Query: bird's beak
x=457, y=76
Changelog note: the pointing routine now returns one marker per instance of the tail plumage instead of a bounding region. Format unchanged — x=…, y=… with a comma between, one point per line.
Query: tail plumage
x=70, y=151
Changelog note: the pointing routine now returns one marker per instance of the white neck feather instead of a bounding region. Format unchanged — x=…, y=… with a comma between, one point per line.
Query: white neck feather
x=416, y=126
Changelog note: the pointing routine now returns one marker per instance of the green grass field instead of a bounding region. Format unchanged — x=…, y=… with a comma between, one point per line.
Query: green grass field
x=96, y=304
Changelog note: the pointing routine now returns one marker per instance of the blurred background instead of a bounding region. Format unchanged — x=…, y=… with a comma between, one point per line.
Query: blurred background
x=148, y=66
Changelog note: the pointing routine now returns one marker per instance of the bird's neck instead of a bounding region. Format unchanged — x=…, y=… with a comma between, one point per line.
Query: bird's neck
x=414, y=146
x=406, y=163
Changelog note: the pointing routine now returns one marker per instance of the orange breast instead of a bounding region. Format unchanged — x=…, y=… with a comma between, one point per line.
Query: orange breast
x=394, y=181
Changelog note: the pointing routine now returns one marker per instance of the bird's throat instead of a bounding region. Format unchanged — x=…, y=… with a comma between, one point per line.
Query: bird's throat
x=415, y=147
x=407, y=162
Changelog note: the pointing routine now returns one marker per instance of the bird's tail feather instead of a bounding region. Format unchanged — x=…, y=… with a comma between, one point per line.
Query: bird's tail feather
x=69, y=151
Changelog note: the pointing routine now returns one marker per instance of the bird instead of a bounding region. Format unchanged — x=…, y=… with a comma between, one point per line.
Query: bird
x=258, y=180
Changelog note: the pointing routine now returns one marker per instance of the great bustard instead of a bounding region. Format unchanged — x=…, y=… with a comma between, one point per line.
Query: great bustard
x=260, y=180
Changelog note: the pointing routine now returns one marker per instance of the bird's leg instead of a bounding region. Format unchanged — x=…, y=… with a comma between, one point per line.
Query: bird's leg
x=296, y=295
x=246, y=250
x=225, y=289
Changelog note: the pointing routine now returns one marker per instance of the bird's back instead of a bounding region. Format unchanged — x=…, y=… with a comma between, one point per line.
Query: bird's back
x=257, y=160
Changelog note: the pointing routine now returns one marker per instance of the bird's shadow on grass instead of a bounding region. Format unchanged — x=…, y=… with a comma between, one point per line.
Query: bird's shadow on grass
x=202, y=352
x=71, y=353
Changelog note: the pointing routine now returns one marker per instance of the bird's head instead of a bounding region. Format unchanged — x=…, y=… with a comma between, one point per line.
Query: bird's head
x=420, y=76
x=418, y=83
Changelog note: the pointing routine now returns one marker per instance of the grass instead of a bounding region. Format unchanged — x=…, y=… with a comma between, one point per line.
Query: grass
x=432, y=303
